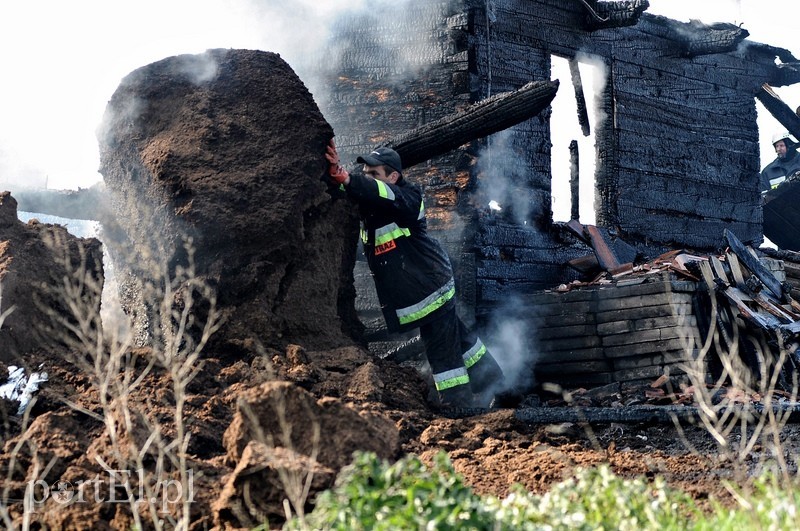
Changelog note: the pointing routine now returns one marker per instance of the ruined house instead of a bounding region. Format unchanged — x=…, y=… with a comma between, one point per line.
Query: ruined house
x=676, y=148
x=675, y=160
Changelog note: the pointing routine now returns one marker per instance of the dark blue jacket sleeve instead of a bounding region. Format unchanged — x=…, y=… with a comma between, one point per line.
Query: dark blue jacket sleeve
x=401, y=203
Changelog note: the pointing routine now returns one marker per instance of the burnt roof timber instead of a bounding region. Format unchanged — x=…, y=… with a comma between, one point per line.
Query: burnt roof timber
x=481, y=119
x=674, y=29
x=697, y=38
x=613, y=14
x=785, y=74
x=580, y=98
x=777, y=108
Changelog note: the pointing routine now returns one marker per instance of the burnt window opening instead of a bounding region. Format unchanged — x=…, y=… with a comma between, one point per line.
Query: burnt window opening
x=573, y=124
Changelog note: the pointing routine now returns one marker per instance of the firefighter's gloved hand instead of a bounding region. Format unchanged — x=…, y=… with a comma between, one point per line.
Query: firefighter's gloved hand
x=338, y=174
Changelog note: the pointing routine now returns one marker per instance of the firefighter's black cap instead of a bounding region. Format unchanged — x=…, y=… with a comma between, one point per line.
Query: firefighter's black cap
x=383, y=156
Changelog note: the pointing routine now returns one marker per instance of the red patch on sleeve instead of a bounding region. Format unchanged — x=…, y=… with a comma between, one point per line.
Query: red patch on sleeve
x=385, y=247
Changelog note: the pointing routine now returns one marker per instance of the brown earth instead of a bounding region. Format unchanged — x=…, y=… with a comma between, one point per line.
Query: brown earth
x=360, y=403
x=285, y=386
x=34, y=257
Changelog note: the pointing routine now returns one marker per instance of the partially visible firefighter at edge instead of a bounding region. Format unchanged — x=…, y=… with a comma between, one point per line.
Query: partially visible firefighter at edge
x=785, y=166
x=414, y=279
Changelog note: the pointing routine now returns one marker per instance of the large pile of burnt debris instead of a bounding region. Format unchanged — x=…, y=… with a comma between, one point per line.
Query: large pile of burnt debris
x=639, y=322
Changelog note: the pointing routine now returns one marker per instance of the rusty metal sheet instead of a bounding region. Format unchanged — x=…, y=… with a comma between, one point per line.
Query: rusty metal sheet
x=605, y=255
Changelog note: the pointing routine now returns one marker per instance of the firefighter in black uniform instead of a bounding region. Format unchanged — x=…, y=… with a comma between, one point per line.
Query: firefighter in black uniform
x=785, y=166
x=414, y=279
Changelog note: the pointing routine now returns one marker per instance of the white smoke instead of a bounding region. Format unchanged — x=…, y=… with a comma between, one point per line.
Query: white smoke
x=63, y=61
x=595, y=78
x=511, y=341
x=200, y=68
x=503, y=177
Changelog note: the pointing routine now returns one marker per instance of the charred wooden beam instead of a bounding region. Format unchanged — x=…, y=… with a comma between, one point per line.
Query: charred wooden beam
x=477, y=121
x=577, y=83
x=787, y=73
x=574, y=179
x=783, y=54
x=605, y=256
x=613, y=14
x=667, y=414
x=704, y=39
x=777, y=108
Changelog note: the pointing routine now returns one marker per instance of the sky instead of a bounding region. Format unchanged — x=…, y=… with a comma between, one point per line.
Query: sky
x=62, y=61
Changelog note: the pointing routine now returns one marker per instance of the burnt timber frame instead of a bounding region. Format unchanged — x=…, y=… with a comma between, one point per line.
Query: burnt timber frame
x=677, y=156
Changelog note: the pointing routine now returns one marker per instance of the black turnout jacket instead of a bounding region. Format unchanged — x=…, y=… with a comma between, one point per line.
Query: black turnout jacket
x=773, y=172
x=412, y=272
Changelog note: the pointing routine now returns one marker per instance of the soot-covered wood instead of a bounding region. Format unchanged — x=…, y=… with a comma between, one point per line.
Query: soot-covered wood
x=677, y=144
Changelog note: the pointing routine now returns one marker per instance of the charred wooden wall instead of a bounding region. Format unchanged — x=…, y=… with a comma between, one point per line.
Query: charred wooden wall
x=686, y=139
x=677, y=159
x=382, y=89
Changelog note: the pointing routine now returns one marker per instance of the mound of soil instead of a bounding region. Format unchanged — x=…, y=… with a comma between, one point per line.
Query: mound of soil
x=225, y=150
x=36, y=262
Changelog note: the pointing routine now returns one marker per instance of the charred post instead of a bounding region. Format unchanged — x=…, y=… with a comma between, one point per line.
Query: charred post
x=580, y=98
x=779, y=110
x=574, y=179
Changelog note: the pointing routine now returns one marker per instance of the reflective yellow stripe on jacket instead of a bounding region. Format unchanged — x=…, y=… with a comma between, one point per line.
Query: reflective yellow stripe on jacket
x=432, y=302
x=389, y=232
x=474, y=354
x=384, y=191
x=448, y=379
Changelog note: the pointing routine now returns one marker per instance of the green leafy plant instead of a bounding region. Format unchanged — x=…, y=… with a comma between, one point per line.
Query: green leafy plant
x=371, y=494
x=597, y=499
x=766, y=503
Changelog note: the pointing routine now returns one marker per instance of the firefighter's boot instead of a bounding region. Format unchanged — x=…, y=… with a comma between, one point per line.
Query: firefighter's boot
x=459, y=396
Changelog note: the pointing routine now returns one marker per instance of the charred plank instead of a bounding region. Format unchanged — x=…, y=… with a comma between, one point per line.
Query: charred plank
x=549, y=415
x=601, y=15
x=637, y=414
x=580, y=98
x=605, y=256
x=702, y=39
x=574, y=178
x=752, y=263
x=778, y=109
x=489, y=116
x=786, y=74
